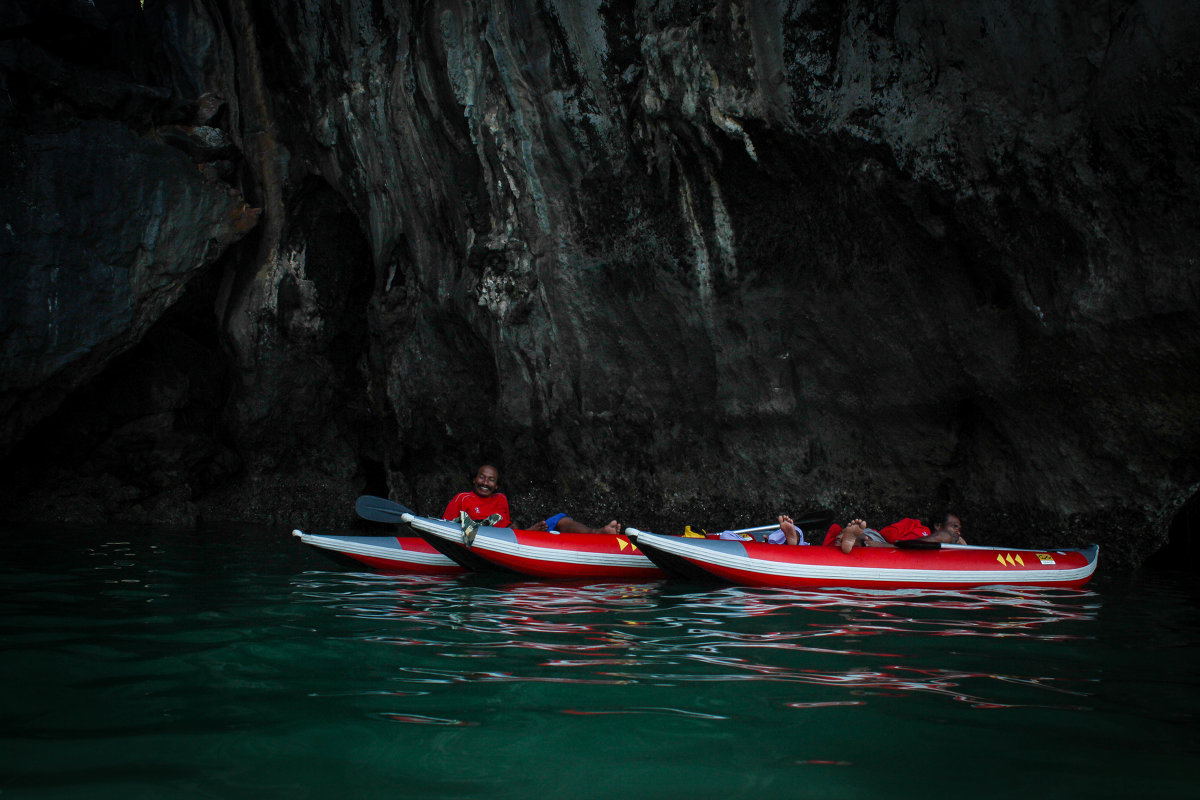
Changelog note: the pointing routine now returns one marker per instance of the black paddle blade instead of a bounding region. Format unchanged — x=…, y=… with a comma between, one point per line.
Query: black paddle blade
x=378, y=509
x=917, y=544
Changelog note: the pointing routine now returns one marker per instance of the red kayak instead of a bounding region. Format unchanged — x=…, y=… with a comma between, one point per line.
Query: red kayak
x=387, y=553
x=932, y=566
x=539, y=554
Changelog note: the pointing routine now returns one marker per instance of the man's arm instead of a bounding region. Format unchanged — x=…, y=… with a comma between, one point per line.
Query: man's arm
x=947, y=537
x=452, y=508
x=502, y=510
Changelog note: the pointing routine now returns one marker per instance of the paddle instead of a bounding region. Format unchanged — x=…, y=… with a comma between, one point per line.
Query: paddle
x=378, y=509
x=916, y=544
x=799, y=523
x=921, y=544
x=756, y=530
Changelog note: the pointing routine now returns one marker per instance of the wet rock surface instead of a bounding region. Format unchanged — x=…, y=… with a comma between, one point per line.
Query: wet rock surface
x=676, y=263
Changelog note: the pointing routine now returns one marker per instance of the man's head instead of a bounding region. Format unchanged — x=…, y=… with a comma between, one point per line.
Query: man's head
x=486, y=481
x=949, y=523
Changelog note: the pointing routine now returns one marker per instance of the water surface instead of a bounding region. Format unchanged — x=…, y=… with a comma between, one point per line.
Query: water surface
x=236, y=662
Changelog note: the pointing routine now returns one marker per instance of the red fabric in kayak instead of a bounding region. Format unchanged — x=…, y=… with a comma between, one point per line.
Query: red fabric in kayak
x=906, y=528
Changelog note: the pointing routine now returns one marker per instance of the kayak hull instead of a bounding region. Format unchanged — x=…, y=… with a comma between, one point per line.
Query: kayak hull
x=817, y=567
x=410, y=554
x=539, y=554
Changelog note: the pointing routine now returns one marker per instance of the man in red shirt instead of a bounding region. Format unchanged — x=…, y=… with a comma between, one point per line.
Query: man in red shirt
x=857, y=533
x=483, y=500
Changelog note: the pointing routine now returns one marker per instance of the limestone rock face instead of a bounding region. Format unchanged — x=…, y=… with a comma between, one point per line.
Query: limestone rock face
x=672, y=262
x=103, y=231
x=104, y=224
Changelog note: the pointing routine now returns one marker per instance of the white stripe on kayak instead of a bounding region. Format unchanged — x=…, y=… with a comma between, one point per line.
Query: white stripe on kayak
x=392, y=551
x=718, y=556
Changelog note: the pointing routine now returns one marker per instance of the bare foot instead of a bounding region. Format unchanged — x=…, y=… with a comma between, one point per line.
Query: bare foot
x=851, y=535
x=789, y=529
x=613, y=527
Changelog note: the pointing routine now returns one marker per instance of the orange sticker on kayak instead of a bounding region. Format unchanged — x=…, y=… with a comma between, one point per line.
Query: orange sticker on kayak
x=1046, y=558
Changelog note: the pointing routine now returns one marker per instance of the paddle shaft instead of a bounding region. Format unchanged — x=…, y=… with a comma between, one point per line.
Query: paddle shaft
x=921, y=544
x=756, y=530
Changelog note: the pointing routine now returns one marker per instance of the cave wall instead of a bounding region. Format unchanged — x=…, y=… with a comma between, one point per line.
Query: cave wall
x=687, y=261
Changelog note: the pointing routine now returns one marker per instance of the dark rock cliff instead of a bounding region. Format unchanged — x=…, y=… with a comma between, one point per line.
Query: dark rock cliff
x=673, y=262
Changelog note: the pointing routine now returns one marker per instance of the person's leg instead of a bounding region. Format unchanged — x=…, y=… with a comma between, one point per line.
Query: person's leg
x=852, y=535
x=873, y=538
x=789, y=529
x=551, y=523
x=569, y=525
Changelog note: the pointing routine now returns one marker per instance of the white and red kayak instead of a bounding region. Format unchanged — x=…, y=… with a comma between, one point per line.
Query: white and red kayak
x=538, y=554
x=386, y=553
x=931, y=567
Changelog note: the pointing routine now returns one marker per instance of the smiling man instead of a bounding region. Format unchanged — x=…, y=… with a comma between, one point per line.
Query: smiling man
x=483, y=500
x=486, y=499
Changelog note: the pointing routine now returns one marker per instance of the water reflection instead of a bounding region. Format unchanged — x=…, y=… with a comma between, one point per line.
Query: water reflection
x=854, y=645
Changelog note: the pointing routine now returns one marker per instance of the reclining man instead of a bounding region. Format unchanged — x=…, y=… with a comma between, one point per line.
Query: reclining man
x=858, y=534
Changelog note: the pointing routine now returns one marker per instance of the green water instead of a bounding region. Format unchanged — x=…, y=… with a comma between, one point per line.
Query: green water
x=236, y=662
